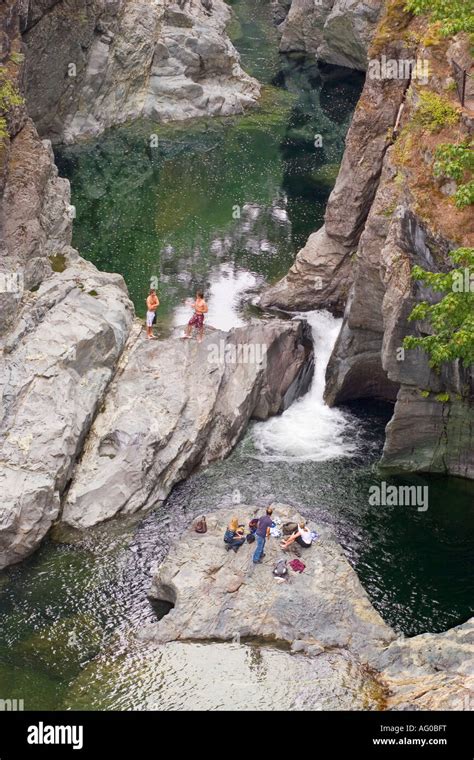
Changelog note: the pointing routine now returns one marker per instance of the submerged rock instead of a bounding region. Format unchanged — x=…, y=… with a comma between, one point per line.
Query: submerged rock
x=57, y=649
x=178, y=404
x=222, y=676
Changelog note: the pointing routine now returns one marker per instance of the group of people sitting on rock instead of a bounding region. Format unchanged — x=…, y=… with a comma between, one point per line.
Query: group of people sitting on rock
x=259, y=530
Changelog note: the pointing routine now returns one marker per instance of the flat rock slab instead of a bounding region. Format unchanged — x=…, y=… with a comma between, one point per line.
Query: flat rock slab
x=223, y=595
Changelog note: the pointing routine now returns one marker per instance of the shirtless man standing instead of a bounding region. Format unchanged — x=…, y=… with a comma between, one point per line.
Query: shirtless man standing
x=152, y=304
x=197, y=320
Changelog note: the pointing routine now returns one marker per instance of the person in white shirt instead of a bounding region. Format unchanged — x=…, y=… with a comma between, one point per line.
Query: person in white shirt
x=302, y=536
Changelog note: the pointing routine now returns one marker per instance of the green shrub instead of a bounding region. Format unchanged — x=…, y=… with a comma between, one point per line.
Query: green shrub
x=435, y=112
x=17, y=58
x=9, y=98
x=454, y=160
x=457, y=162
x=465, y=195
x=454, y=15
x=452, y=318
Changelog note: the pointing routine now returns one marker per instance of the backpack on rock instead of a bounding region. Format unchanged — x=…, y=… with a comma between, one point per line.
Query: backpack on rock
x=280, y=570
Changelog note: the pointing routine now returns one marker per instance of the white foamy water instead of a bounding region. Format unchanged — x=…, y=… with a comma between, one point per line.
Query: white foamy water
x=309, y=430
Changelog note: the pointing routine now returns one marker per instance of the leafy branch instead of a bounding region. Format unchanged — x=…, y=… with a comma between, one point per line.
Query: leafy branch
x=454, y=15
x=452, y=318
x=457, y=162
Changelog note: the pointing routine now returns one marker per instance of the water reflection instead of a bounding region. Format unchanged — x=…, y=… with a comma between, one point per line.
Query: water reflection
x=221, y=676
x=226, y=289
x=245, y=191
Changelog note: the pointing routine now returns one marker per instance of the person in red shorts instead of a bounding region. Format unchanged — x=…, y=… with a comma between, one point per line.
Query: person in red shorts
x=197, y=320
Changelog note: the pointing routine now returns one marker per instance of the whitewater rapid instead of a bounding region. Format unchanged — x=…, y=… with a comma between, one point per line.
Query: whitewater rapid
x=309, y=430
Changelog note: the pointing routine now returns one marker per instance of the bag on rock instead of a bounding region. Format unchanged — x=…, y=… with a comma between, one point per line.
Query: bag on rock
x=200, y=526
x=280, y=570
x=297, y=565
x=250, y=538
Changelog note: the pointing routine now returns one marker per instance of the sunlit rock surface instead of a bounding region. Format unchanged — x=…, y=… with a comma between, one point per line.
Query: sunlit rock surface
x=320, y=611
x=63, y=327
x=177, y=404
x=95, y=64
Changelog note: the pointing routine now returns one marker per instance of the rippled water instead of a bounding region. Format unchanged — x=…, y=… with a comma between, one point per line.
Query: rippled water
x=68, y=614
x=243, y=677
x=220, y=204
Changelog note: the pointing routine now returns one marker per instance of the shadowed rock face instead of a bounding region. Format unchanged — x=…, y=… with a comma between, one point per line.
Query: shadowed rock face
x=322, y=274
x=335, y=31
x=429, y=435
x=426, y=433
x=323, y=610
x=359, y=264
x=432, y=429
x=178, y=404
x=62, y=330
x=94, y=64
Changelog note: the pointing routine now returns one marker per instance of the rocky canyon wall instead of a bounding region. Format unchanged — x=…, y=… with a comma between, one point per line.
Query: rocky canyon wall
x=387, y=213
x=334, y=31
x=65, y=325
x=94, y=63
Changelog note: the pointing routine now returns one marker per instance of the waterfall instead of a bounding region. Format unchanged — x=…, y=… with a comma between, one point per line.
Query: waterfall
x=309, y=430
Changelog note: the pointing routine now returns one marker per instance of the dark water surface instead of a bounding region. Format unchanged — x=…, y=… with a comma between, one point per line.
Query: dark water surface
x=222, y=204
x=69, y=613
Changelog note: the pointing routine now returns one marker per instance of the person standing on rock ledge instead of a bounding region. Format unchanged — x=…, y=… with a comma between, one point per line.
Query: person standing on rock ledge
x=197, y=320
x=152, y=304
x=263, y=532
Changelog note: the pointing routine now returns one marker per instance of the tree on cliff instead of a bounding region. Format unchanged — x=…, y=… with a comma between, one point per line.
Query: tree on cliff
x=452, y=318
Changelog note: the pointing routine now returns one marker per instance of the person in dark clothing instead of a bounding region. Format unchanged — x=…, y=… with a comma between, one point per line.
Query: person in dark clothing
x=234, y=536
x=262, y=533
